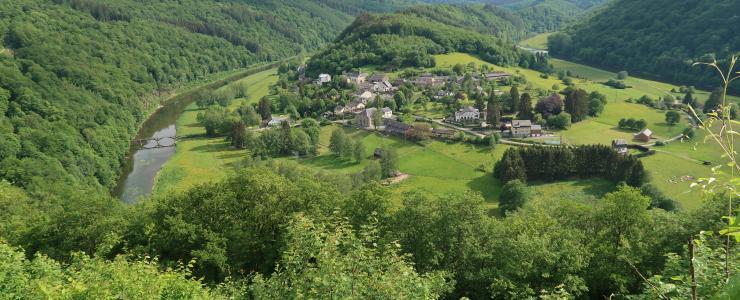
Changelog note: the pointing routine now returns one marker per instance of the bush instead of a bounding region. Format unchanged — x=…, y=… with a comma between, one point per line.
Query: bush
x=513, y=196
x=660, y=143
x=689, y=133
x=618, y=84
x=561, y=121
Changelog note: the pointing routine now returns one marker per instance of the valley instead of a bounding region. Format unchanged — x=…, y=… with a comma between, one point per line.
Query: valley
x=456, y=166
x=369, y=149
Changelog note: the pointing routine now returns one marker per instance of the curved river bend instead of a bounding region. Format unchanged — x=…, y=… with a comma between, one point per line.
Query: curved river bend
x=142, y=165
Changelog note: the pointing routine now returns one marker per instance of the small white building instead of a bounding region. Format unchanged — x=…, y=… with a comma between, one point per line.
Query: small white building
x=467, y=114
x=323, y=78
x=276, y=121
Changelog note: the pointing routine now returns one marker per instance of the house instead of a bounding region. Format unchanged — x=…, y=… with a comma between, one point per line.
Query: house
x=428, y=80
x=468, y=115
x=536, y=130
x=443, y=133
x=497, y=76
x=395, y=127
x=521, y=128
x=340, y=110
x=365, y=96
x=644, y=135
x=276, y=121
x=620, y=146
x=356, y=77
x=365, y=118
x=382, y=86
x=387, y=113
x=323, y=78
x=355, y=106
x=379, y=77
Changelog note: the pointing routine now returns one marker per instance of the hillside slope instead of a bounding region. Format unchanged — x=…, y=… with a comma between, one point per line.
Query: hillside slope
x=660, y=38
x=77, y=76
x=412, y=37
x=539, y=16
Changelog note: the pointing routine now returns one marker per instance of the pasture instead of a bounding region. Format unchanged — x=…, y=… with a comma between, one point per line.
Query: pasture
x=675, y=159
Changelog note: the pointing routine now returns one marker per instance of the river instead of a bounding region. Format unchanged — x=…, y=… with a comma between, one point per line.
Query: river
x=142, y=165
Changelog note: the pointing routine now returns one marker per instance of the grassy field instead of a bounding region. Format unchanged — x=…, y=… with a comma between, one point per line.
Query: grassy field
x=676, y=159
x=203, y=159
x=537, y=42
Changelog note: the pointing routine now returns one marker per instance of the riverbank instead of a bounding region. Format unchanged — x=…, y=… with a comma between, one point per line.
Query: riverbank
x=141, y=166
x=204, y=159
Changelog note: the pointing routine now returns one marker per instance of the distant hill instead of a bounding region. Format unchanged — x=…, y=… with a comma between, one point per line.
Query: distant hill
x=539, y=15
x=411, y=38
x=660, y=38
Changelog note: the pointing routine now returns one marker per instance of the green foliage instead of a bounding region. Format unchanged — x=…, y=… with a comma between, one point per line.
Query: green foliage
x=331, y=259
x=86, y=277
x=209, y=223
x=561, y=121
x=525, y=107
x=632, y=124
x=558, y=163
x=514, y=195
x=660, y=38
x=410, y=40
x=388, y=162
x=577, y=105
x=672, y=117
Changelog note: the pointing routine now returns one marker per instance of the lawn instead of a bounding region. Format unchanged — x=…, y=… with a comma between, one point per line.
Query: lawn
x=676, y=159
x=436, y=169
x=537, y=42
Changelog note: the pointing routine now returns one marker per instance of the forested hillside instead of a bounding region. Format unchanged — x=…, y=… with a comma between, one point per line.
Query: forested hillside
x=77, y=76
x=659, y=38
x=411, y=38
x=539, y=15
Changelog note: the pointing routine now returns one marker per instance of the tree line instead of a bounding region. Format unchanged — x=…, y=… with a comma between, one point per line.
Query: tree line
x=559, y=163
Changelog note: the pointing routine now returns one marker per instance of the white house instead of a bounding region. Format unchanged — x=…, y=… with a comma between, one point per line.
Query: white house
x=323, y=78
x=276, y=121
x=467, y=114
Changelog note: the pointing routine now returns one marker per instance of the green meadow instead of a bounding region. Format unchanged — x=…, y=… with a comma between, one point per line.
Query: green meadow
x=440, y=168
x=675, y=159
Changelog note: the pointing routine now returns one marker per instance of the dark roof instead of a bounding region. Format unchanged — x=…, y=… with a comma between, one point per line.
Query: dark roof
x=619, y=142
x=394, y=126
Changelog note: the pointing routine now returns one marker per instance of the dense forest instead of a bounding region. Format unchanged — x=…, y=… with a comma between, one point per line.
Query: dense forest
x=539, y=16
x=656, y=38
x=411, y=38
x=78, y=76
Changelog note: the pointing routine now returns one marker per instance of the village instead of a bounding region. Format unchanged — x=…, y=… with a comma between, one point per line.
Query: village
x=366, y=110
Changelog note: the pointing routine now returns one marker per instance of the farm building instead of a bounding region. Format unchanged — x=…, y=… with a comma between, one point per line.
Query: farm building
x=620, y=146
x=644, y=135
